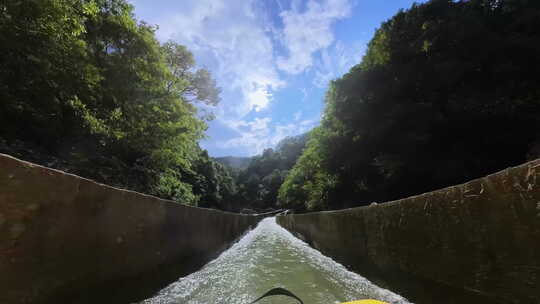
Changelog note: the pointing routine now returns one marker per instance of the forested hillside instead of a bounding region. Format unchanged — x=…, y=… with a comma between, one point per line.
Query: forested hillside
x=257, y=179
x=233, y=162
x=259, y=183
x=448, y=91
x=87, y=88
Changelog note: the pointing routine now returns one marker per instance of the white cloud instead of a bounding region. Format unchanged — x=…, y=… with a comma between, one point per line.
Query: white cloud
x=257, y=135
x=310, y=31
x=249, y=54
x=256, y=125
x=226, y=35
x=309, y=122
x=304, y=94
x=336, y=61
x=278, y=2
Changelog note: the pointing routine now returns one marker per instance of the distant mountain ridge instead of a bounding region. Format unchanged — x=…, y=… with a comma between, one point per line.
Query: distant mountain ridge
x=234, y=162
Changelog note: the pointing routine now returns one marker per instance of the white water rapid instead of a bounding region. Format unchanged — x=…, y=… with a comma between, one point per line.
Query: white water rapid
x=267, y=257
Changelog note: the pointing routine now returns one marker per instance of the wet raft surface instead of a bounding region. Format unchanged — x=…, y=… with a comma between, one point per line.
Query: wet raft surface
x=268, y=257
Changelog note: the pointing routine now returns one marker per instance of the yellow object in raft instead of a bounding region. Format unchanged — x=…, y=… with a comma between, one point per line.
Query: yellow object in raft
x=365, y=302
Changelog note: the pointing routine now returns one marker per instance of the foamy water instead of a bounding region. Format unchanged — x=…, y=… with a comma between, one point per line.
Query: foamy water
x=267, y=257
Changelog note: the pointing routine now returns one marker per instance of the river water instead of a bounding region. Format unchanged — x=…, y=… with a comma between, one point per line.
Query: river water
x=267, y=257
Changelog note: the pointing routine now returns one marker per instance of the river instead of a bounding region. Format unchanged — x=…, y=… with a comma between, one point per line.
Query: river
x=267, y=257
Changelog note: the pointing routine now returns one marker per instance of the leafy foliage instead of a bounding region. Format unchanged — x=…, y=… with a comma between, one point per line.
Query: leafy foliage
x=234, y=162
x=448, y=91
x=258, y=184
x=84, y=82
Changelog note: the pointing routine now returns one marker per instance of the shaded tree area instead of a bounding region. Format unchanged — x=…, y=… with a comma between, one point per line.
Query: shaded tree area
x=257, y=185
x=87, y=88
x=234, y=162
x=448, y=91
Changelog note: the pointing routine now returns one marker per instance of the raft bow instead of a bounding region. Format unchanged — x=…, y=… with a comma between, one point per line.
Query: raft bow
x=284, y=292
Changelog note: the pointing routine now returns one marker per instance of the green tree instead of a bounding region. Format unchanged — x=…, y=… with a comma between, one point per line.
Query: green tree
x=447, y=92
x=184, y=80
x=259, y=183
x=88, y=85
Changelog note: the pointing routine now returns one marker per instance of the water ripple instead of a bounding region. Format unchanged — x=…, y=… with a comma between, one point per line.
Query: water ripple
x=267, y=257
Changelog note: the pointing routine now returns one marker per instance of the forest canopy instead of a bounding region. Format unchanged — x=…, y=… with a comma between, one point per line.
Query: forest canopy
x=257, y=184
x=87, y=88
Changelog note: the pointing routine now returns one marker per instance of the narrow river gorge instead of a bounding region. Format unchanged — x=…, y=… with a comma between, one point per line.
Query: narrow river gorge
x=266, y=257
x=78, y=241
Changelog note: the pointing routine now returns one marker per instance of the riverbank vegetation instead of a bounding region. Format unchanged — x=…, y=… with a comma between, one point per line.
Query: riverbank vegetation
x=258, y=184
x=448, y=91
x=87, y=88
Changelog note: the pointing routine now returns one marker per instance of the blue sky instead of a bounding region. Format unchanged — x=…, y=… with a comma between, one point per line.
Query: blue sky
x=273, y=59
